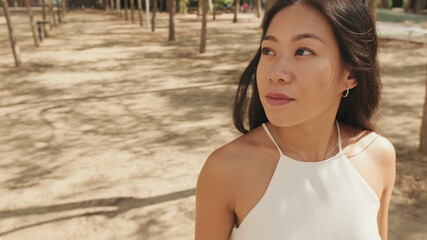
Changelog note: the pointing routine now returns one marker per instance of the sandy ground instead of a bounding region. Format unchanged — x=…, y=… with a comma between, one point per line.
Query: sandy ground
x=105, y=128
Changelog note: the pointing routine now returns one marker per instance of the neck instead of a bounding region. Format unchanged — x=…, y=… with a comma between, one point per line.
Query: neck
x=308, y=142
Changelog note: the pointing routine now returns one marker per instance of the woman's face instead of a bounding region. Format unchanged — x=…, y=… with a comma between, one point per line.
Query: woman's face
x=300, y=59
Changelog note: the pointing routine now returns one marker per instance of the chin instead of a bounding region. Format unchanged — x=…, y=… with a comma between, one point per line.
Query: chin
x=281, y=120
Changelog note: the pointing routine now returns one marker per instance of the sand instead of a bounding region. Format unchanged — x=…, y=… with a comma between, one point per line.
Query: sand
x=105, y=127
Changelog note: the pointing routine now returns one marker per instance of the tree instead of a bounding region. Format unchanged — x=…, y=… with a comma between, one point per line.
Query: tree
x=132, y=8
x=13, y=41
x=140, y=12
x=236, y=9
x=423, y=135
x=384, y=4
x=33, y=29
x=147, y=12
x=126, y=10
x=153, y=19
x=258, y=9
x=204, y=27
x=112, y=5
x=64, y=7
x=44, y=17
x=214, y=9
x=171, y=20
x=119, y=14
x=52, y=15
x=58, y=11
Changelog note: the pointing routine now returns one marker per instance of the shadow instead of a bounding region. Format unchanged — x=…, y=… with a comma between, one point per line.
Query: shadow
x=122, y=204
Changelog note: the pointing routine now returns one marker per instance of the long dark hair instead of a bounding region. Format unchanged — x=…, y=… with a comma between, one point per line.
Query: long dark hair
x=355, y=32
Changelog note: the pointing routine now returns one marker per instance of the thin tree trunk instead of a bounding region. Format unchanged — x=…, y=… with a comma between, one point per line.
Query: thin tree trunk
x=153, y=19
x=13, y=42
x=384, y=3
x=119, y=14
x=58, y=11
x=132, y=9
x=423, y=137
x=126, y=10
x=204, y=26
x=258, y=9
x=64, y=7
x=236, y=9
x=147, y=12
x=408, y=6
x=52, y=14
x=140, y=12
x=198, y=7
x=171, y=20
x=178, y=7
x=214, y=10
x=112, y=5
x=161, y=5
x=44, y=18
x=33, y=29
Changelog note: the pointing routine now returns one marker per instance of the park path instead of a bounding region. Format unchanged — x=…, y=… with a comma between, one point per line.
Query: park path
x=107, y=125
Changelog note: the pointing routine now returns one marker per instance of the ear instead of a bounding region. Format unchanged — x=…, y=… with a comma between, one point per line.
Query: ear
x=350, y=81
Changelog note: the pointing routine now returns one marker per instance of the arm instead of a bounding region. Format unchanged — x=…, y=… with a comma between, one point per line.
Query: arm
x=214, y=199
x=387, y=162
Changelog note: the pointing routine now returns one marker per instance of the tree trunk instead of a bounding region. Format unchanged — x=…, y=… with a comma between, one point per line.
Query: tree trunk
x=153, y=20
x=13, y=42
x=44, y=18
x=198, y=7
x=214, y=10
x=58, y=11
x=33, y=29
x=184, y=8
x=126, y=10
x=418, y=6
x=112, y=5
x=408, y=6
x=204, y=27
x=171, y=20
x=236, y=9
x=140, y=12
x=147, y=12
x=64, y=8
x=384, y=3
x=258, y=8
x=52, y=14
x=119, y=14
x=132, y=9
x=423, y=137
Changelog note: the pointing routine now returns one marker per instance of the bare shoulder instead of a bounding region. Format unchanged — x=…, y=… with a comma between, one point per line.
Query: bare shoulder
x=226, y=165
x=372, y=148
x=219, y=185
x=368, y=142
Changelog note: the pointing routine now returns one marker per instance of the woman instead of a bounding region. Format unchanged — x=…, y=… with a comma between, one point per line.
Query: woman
x=310, y=166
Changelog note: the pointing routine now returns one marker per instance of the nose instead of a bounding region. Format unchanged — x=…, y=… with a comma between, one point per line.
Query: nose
x=281, y=71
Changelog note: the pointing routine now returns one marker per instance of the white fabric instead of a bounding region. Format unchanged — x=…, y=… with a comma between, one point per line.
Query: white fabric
x=326, y=200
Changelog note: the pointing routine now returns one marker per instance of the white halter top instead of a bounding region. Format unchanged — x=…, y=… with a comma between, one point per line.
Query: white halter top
x=325, y=200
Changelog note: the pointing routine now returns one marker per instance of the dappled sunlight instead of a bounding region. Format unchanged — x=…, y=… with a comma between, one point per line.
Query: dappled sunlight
x=106, y=126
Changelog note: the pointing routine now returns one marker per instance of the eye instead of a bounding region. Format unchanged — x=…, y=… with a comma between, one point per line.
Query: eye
x=304, y=52
x=267, y=51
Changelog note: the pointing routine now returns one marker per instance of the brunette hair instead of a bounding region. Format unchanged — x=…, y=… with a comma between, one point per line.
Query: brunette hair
x=355, y=32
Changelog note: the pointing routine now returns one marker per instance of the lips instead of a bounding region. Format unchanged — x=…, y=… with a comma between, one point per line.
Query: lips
x=276, y=99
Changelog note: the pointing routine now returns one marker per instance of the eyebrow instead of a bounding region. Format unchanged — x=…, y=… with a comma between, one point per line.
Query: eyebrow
x=297, y=37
